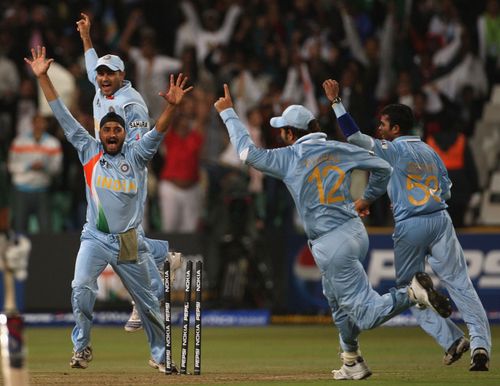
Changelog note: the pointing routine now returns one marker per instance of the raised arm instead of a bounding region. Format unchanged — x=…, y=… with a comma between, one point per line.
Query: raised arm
x=83, y=26
x=40, y=66
x=344, y=119
x=76, y=134
x=173, y=96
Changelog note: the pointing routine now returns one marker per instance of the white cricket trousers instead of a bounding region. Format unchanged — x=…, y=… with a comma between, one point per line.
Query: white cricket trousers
x=180, y=208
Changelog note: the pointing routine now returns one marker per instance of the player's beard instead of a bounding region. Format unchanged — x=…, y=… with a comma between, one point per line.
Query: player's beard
x=113, y=148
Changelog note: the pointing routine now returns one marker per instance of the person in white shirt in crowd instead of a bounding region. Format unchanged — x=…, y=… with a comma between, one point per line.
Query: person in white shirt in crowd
x=34, y=159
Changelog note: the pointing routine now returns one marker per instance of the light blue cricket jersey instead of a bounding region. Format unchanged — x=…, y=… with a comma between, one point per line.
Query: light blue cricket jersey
x=114, y=184
x=126, y=102
x=419, y=181
x=317, y=173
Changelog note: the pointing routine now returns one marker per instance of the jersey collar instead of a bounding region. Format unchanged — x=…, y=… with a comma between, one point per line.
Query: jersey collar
x=312, y=137
x=408, y=138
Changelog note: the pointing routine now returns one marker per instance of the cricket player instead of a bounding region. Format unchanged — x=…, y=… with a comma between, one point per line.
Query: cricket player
x=115, y=174
x=317, y=173
x=418, y=188
x=115, y=93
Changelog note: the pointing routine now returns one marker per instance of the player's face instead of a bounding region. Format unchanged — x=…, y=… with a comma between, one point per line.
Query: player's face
x=112, y=137
x=109, y=81
x=385, y=130
x=287, y=136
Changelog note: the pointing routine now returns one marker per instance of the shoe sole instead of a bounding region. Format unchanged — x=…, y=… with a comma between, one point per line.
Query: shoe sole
x=440, y=303
x=460, y=350
x=480, y=363
x=132, y=329
x=352, y=378
x=155, y=365
x=78, y=365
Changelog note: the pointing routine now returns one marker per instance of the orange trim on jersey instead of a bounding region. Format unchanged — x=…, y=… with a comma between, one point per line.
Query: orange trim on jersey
x=89, y=167
x=35, y=149
x=453, y=158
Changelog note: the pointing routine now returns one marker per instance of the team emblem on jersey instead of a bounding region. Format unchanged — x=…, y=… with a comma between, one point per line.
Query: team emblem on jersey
x=124, y=168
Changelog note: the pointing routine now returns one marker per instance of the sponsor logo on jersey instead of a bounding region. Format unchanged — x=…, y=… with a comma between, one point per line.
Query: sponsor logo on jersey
x=139, y=124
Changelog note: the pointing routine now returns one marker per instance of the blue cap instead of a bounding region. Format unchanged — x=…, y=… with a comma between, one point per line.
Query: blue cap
x=113, y=62
x=295, y=116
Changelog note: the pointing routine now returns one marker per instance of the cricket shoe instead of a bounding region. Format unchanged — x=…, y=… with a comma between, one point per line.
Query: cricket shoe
x=356, y=370
x=134, y=322
x=456, y=350
x=422, y=292
x=81, y=359
x=161, y=366
x=175, y=259
x=480, y=360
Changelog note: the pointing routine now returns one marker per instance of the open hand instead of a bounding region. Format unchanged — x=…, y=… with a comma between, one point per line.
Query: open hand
x=331, y=88
x=177, y=90
x=83, y=25
x=224, y=102
x=40, y=65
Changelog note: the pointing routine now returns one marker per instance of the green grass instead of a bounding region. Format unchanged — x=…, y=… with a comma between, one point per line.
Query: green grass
x=276, y=355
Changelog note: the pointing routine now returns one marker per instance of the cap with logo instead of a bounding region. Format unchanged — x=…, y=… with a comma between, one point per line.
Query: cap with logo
x=113, y=62
x=295, y=116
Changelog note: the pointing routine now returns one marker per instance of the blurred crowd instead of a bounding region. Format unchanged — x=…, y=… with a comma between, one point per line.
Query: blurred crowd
x=441, y=57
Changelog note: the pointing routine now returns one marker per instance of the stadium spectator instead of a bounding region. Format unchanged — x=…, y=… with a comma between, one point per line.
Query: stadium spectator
x=34, y=160
x=452, y=147
x=180, y=191
x=488, y=29
x=151, y=68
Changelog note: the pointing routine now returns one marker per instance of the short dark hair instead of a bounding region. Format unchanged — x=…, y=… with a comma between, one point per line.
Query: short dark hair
x=400, y=115
x=312, y=127
x=112, y=117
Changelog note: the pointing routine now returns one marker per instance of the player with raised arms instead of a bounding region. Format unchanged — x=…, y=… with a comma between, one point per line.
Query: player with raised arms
x=317, y=174
x=115, y=174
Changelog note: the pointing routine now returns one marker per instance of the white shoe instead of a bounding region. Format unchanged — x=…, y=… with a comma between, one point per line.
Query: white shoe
x=175, y=259
x=134, y=323
x=357, y=370
x=81, y=359
x=422, y=292
x=161, y=366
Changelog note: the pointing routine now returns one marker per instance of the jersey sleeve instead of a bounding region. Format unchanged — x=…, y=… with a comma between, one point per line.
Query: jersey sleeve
x=90, y=62
x=145, y=148
x=383, y=149
x=137, y=119
x=380, y=171
x=273, y=162
x=80, y=138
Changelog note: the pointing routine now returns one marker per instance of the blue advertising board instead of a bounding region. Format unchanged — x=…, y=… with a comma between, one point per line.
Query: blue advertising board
x=482, y=252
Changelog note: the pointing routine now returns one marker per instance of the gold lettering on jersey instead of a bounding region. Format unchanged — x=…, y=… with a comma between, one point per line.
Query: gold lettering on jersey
x=311, y=162
x=109, y=183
